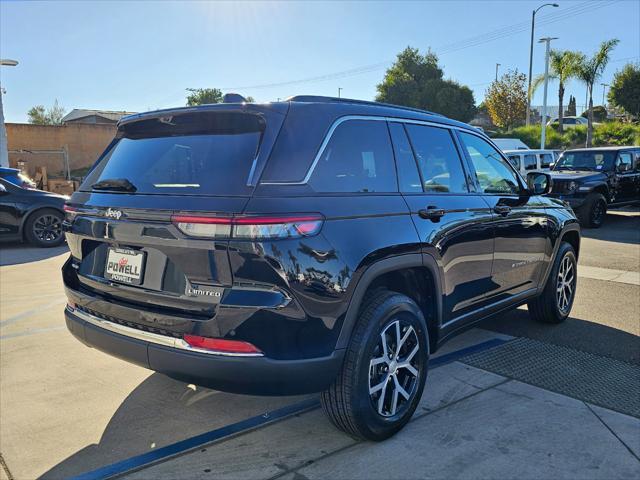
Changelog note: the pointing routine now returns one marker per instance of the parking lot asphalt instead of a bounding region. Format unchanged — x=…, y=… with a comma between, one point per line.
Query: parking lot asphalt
x=68, y=410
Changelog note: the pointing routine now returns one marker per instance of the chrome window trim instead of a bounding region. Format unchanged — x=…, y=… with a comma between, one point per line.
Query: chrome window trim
x=155, y=338
x=346, y=118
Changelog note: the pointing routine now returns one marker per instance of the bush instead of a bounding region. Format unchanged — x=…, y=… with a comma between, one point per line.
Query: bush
x=612, y=133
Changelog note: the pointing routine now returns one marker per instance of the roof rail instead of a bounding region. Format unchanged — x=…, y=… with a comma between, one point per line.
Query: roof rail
x=322, y=99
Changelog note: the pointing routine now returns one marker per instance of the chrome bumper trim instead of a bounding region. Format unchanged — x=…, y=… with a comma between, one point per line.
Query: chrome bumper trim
x=158, y=339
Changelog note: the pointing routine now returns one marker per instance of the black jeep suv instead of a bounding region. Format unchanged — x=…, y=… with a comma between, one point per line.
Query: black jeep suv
x=312, y=245
x=592, y=179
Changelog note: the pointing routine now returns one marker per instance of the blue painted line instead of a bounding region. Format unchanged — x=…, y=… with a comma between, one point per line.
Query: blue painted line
x=197, y=441
x=191, y=443
x=463, y=352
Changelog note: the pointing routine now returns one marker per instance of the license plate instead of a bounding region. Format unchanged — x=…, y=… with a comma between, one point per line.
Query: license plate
x=124, y=266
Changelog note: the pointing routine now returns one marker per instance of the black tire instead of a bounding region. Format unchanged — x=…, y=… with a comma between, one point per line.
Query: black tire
x=348, y=402
x=554, y=306
x=43, y=228
x=593, y=212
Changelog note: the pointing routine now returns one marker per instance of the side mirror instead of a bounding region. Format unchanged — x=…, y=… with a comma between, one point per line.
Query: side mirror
x=539, y=183
x=624, y=167
x=3, y=189
x=551, y=165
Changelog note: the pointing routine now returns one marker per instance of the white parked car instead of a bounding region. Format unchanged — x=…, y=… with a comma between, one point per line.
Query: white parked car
x=526, y=161
x=568, y=121
x=505, y=144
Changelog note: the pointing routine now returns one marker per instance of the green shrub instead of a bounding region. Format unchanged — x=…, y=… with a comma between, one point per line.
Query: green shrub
x=610, y=133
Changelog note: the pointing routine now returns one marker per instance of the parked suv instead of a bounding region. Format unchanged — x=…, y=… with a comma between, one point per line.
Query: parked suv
x=594, y=179
x=312, y=245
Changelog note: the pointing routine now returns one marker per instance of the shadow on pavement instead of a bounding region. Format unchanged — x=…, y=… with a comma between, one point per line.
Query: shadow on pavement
x=619, y=226
x=573, y=333
x=160, y=412
x=17, y=253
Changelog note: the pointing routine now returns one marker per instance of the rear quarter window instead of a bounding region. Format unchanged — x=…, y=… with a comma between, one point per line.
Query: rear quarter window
x=357, y=158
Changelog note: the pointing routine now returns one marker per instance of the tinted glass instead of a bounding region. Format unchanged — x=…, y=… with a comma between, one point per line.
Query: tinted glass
x=568, y=121
x=358, y=158
x=585, y=160
x=163, y=157
x=546, y=159
x=625, y=163
x=438, y=159
x=408, y=177
x=515, y=161
x=530, y=162
x=637, y=161
x=492, y=172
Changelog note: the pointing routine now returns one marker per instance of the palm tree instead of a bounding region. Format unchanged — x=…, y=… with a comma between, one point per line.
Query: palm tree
x=563, y=66
x=589, y=71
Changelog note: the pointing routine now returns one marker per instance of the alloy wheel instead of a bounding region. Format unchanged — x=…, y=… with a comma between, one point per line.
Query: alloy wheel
x=47, y=228
x=566, y=284
x=597, y=213
x=394, y=369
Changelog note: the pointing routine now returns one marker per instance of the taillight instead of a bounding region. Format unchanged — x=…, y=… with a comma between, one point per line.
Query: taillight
x=249, y=227
x=70, y=212
x=221, y=345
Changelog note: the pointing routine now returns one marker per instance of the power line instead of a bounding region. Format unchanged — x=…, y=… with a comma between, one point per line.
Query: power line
x=449, y=48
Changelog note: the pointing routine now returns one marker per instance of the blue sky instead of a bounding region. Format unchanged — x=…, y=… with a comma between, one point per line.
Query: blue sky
x=138, y=56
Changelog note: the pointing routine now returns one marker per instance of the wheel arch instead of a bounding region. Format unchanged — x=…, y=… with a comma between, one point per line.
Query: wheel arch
x=31, y=211
x=415, y=275
x=570, y=233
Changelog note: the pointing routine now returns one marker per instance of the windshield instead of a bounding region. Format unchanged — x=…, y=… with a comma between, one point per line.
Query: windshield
x=165, y=158
x=585, y=161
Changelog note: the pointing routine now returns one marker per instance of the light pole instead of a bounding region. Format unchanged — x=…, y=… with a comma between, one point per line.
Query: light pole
x=497, y=65
x=543, y=130
x=4, y=154
x=533, y=25
x=339, y=90
x=604, y=89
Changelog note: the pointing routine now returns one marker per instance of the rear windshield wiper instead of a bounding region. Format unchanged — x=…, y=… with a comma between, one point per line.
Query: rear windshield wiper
x=116, y=184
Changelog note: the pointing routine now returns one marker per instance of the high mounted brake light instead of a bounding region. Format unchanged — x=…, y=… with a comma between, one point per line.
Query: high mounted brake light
x=249, y=227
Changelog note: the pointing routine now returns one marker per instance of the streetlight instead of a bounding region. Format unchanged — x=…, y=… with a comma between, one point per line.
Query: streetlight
x=4, y=153
x=543, y=130
x=497, y=65
x=604, y=89
x=339, y=90
x=533, y=24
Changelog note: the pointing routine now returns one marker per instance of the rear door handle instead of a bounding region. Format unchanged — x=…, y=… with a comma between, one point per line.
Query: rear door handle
x=502, y=209
x=432, y=213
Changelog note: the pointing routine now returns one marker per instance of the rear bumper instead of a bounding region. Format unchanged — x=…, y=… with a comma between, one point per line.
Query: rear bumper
x=253, y=375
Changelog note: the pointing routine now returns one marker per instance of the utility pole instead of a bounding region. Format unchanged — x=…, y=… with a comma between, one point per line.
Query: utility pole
x=533, y=25
x=604, y=89
x=497, y=65
x=543, y=130
x=339, y=90
x=4, y=151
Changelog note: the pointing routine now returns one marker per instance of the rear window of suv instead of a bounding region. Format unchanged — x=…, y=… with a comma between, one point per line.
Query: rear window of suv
x=190, y=154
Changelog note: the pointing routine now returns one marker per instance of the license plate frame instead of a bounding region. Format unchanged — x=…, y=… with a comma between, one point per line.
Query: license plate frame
x=130, y=257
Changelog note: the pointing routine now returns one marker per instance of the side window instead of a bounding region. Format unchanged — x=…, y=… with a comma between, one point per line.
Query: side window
x=438, y=159
x=408, y=176
x=515, y=161
x=492, y=172
x=568, y=121
x=358, y=158
x=637, y=161
x=530, y=162
x=625, y=163
x=546, y=159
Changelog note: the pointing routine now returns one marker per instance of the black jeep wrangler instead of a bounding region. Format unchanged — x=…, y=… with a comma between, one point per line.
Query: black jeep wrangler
x=594, y=179
x=313, y=245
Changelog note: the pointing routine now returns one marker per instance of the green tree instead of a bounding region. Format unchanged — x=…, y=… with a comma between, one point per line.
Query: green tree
x=416, y=80
x=589, y=71
x=40, y=115
x=506, y=100
x=563, y=66
x=625, y=89
x=202, y=96
x=571, y=108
